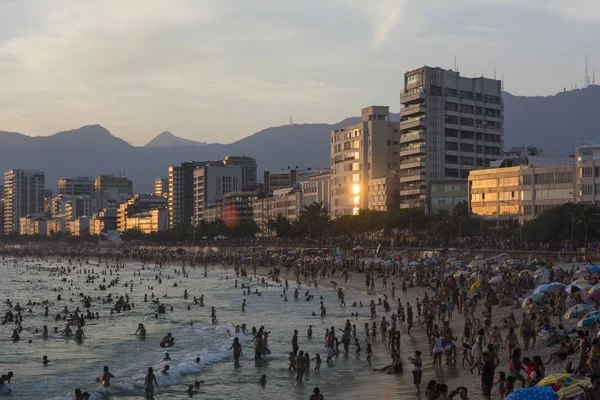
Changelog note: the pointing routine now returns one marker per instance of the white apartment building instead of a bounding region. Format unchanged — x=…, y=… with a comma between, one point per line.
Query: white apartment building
x=82, y=185
x=450, y=126
x=359, y=153
x=383, y=193
x=211, y=182
x=287, y=202
x=23, y=195
x=315, y=189
x=588, y=173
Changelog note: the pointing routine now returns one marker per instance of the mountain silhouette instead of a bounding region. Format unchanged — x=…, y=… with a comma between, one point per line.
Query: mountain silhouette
x=167, y=139
x=554, y=123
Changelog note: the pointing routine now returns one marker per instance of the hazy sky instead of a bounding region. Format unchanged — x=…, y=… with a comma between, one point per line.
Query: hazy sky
x=217, y=71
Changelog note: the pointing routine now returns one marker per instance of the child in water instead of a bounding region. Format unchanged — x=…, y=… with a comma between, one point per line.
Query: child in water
x=369, y=353
x=45, y=361
x=317, y=360
x=357, y=347
x=263, y=380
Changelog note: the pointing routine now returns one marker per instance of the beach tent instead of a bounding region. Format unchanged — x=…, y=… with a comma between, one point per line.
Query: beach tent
x=567, y=384
x=588, y=319
x=533, y=393
x=553, y=287
x=578, y=310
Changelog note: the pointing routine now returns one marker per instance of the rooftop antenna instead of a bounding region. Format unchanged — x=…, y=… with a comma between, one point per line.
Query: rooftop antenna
x=455, y=68
x=290, y=119
x=494, y=73
x=593, y=75
x=503, y=82
x=586, y=78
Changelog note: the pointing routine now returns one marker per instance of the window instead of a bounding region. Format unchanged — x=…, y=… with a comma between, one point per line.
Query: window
x=492, y=99
x=451, y=106
x=435, y=90
x=553, y=178
x=466, y=95
x=467, y=147
x=464, y=173
x=467, y=161
x=451, y=173
x=597, y=172
x=453, y=146
x=467, y=109
x=469, y=135
x=451, y=132
x=450, y=92
x=491, y=150
x=466, y=121
x=479, y=162
x=585, y=172
x=526, y=210
x=490, y=112
x=478, y=97
x=450, y=159
x=479, y=123
x=527, y=179
x=478, y=148
x=451, y=119
x=479, y=110
x=586, y=188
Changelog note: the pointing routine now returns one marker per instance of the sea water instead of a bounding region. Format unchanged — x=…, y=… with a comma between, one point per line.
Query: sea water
x=110, y=340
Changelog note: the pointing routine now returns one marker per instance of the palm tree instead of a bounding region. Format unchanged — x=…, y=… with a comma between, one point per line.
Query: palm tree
x=314, y=219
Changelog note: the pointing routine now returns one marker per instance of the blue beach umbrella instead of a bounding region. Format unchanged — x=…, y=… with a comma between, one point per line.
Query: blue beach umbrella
x=594, y=268
x=414, y=263
x=533, y=393
x=462, y=266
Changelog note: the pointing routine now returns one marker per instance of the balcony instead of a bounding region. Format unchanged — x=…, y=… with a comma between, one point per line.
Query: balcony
x=413, y=149
x=413, y=191
x=412, y=95
x=413, y=109
x=414, y=122
x=413, y=176
x=413, y=136
x=413, y=162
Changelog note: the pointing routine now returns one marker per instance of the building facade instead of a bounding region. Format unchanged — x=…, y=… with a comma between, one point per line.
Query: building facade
x=155, y=220
x=237, y=208
x=287, y=202
x=181, y=193
x=384, y=193
x=521, y=192
x=23, y=196
x=211, y=182
x=104, y=221
x=120, y=183
x=315, y=189
x=80, y=186
x=249, y=170
x=137, y=205
x=359, y=153
x=161, y=186
x=279, y=179
x=588, y=174
x=447, y=194
x=450, y=126
x=33, y=225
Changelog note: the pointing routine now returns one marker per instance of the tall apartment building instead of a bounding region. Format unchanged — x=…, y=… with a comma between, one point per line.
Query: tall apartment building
x=359, y=153
x=588, y=173
x=23, y=196
x=107, y=182
x=161, y=186
x=211, y=182
x=249, y=170
x=181, y=193
x=450, y=125
x=80, y=186
x=139, y=204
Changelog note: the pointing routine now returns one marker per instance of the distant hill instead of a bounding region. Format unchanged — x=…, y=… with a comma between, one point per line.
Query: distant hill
x=167, y=139
x=554, y=123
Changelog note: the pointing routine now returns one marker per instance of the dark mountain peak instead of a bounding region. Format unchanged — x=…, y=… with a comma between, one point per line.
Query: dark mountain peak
x=167, y=139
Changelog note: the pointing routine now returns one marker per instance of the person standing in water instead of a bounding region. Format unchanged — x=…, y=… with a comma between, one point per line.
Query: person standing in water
x=106, y=377
x=149, y=384
x=237, y=349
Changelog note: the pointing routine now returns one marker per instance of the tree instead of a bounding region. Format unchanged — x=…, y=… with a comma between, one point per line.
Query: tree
x=281, y=225
x=314, y=220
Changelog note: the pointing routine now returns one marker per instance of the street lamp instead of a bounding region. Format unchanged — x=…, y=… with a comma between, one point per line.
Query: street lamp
x=519, y=216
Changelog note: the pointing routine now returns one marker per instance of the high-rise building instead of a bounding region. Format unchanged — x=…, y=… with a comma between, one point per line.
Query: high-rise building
x=181, y=193
x=211, y=182
x=23, y=196
x=359, y=153
x=161, y=186
x=279, y=179
x=450, y=125
x=249, y=170
x=588, y=173
x=315, y=189
x=80, y=186
x=107, y=182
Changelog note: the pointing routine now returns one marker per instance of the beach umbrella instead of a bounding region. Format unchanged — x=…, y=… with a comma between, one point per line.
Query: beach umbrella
x=462, y=266
x=535, y=297
x=540, y=272
x=581, y=272
x=474, y=264
x=451, y=259
x=329, y=258
x=479, y=257
x=414, y=263
x=594, y=268
x=581, y=281
x=542, y=288
x=568, y=384
x=533, y=393
x=573, y=288
x=496, y=279
x=553, y=287
x=461, y=273
x=358, y=248
x=594, y=289
x=475, y=286
x=578, y=310
x=588, y=319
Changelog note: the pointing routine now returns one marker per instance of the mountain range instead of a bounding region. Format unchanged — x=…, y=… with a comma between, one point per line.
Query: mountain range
x=554, y=123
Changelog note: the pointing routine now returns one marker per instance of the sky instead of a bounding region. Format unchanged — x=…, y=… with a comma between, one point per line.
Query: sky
x=217, y=71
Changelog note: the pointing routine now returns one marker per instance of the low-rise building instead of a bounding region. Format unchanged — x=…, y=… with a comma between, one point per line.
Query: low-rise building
x=55, y=226
x=104, y=221
x=287, y=202
x=521, y=191
x=445, y=195
x=78, y=226
x=384, y=194
x=138, y=204
x=237, y=208
x=33, y=225
x=155, y=220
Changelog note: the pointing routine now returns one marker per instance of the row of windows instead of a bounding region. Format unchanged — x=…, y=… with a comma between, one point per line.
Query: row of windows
x=469, y=109
x=446, y=188
x=549, y=178
x=339, y=136
x=589, y=172
x=456, y=173
x=448, y=200
x=467, y=95
x=470, y=135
